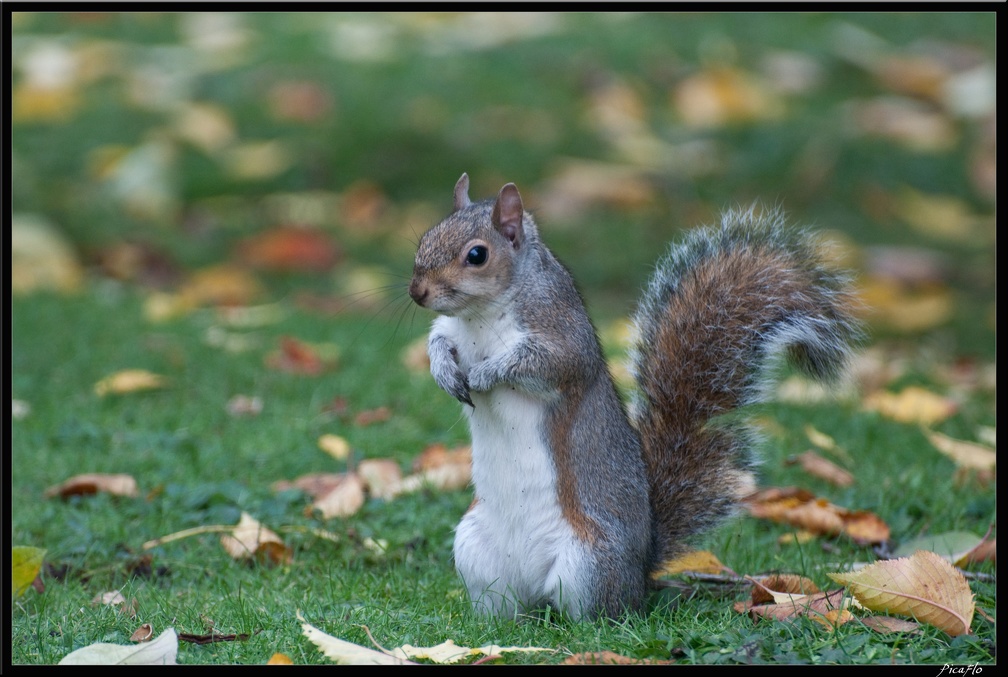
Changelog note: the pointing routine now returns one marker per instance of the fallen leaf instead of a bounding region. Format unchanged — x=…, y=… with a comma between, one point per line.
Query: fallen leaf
x=909, y=123
x=257, y=160
x=92, y=483
x=965, y=454
x=289, y=248
x=299, y=101
x=335, y=446
x=243, y=405
x=315, y=485
x=250, y=539
x=26, y=562
x=299, y=357
x=924, y=586
x=945, y=217
x=611, y=658
x=209, y=127
x=702, y=561
x=161, y=651
x=343, y=652
x=279, y=659
x=114, y=598
x=143, y=633
x=414, y=356
x=954, y=546
x=41, y=258
x=822, y=468
x=887, y=624
x=790, y=584
x=911, y=405
x=984, y=552
x=904, y=308
x=382, y=477
x=437, y=455
x=129, y=381
x=447, y=477
x=450, y=652
x=802, y=509
x=371, y=416
x=343, y=500
x=818, y=604
x=722, y=95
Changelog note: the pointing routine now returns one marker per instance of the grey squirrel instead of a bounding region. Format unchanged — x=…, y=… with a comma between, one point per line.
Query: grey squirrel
x=578, y=501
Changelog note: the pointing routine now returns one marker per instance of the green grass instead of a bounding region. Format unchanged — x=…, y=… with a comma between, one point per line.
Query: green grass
x=411, y=124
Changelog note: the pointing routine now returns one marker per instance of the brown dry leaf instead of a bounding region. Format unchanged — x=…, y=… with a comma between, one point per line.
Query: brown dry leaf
x=833, y=618
x=335, y=446
x=363, y=205
x=577, y=186
x=924, y=586
x=344, y=499
x=436, y=455
x=794, y=606
x=984, y=552
x=221, y=284
x=92, y=483
x=371, y=416
x=114, y=598
x=800, y=508
x=299, y=101
x=611, y=658
x=722, y=95
x=701, y=561
x=796, y=537
x=887, y=624
x=382, y=477
x=822, y=468
x=251, y=539
x=289, y=248
x=446, y=477
x=791, y=584
x=965, y=454
x=315, y=485
x=142, y=634
x=913, y=404
x=129, y=381
x=299, y=357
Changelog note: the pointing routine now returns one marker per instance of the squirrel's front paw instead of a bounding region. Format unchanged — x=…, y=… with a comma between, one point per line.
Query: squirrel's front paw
x=450, y=379
x=483, y=377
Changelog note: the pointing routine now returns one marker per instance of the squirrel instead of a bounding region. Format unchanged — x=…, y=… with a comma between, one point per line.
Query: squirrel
x=580, y=497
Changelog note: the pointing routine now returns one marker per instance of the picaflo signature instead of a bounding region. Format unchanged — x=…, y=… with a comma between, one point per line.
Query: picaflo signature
x=947, y=669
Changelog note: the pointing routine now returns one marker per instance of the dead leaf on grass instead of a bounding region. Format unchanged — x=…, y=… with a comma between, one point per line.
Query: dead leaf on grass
x=129, y=381
x=802, y=509
x=372, y=416
x=143, y=633
x=913, y=404
x=346, y=498
x=300, y=357
x=382, y=477
x=611, y=658
x=822, y=468
x=923, y=586
x=335, y=446
x=701, y=561
x=244, y=405
x=26, y=562
x=92, y=483
x=789, y=584
x=965, y=454
x=161, y=651
x=250, y=539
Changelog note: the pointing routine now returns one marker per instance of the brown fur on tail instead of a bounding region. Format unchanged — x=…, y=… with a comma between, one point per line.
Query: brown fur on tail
x=721, y=308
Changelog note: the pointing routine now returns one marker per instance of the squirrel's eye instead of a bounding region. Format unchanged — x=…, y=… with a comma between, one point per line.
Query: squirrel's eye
x=477, y=256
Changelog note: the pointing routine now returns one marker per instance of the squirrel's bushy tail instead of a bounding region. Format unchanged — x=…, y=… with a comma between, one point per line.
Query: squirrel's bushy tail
x=721, y=308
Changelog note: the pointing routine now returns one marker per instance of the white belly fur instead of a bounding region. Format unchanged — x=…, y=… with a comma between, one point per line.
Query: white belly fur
x=513, y=549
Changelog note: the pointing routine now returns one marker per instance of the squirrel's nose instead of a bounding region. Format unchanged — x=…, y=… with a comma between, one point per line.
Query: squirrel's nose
x=418, y=291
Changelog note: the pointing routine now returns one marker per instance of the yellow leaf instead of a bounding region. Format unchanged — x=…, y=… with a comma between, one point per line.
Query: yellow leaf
x=450, y=652
x=965, y=454
x=720, y=96
x=911, y=405
x=924, y=586
x=279, y=659
x=41, y=257
x=335, y=446
x=702, y=561
x=382, y=476
x=26, y=562
x=129, y=381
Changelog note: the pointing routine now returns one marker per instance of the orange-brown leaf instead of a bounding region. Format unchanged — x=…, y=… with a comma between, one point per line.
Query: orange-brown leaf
x=823, y=468
x=250, y=539
x=92, y=483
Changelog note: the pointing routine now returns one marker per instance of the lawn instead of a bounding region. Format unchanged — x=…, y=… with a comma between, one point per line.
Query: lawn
x=231, y=202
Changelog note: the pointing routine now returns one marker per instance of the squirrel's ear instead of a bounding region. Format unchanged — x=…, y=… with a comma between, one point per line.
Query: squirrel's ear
x=507, y=215
x=462, y=192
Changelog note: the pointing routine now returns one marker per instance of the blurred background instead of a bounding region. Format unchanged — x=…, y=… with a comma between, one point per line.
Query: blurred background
x=206, y=158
